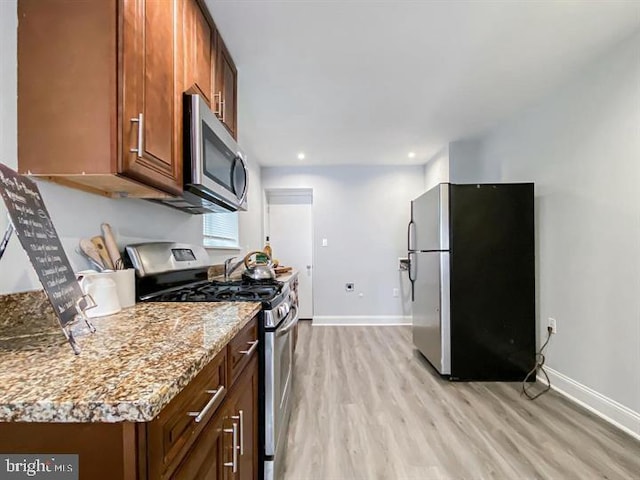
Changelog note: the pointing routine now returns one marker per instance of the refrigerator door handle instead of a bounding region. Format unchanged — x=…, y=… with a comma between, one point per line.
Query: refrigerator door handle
x=409, y=235
x=412, y=280
x=413, y=291
x=410, y=269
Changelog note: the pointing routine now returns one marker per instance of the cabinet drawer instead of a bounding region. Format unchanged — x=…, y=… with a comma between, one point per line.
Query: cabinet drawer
x=241, y=349
x=175, y=428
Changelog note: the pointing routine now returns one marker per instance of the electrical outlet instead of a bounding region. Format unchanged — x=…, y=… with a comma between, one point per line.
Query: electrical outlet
x=396, y=292
x=553, y=325
x=349, y=287
x=325, y=242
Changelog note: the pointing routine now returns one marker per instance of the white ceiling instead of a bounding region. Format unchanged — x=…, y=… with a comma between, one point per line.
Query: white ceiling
x=365, y=82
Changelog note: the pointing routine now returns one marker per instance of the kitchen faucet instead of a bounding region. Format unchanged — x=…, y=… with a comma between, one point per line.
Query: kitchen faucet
x=229, y=269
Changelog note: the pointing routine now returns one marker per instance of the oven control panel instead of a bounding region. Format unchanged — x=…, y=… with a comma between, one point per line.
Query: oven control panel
x=159, y=257
x=183, y=254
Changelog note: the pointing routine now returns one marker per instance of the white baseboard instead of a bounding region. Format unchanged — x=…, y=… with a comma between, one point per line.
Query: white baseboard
x=609, y=410
x=353, y=320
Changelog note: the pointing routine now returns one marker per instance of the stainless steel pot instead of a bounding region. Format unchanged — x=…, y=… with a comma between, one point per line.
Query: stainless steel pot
x=257, y=271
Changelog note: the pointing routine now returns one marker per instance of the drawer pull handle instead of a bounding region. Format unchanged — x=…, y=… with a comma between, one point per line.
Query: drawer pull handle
x=240, y=417
x=253, y=344
x=234, y=431
x=216, y=395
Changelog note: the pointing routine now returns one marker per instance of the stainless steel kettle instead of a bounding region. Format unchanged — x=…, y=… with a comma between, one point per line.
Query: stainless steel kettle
x=258, y=271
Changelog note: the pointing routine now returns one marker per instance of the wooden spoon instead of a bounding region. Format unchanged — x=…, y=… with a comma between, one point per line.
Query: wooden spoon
x=112, y=246
x=98, y=242
x=90, y=250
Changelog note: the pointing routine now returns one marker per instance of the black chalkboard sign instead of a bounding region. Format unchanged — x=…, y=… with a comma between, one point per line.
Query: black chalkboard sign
x=38, y=236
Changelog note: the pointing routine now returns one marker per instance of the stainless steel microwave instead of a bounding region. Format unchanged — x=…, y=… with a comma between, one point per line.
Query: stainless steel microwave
x=215, y=169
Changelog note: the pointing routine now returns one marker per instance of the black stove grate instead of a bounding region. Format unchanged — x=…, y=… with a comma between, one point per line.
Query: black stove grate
x=219, y=292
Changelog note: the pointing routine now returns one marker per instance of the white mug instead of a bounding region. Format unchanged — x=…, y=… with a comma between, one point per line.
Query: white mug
x=102, y=288
x=126, y=286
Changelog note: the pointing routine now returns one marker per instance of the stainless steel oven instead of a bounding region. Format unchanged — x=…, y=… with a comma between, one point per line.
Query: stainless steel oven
x=173, y=272
x=278, y=344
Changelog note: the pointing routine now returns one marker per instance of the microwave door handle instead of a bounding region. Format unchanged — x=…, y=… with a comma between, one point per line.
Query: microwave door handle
x=246, y=177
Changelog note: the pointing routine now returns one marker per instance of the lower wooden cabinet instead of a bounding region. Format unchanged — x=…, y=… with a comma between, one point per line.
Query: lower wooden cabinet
x=205, y=459
x=214, y=439
x=243, y=412
x=227, y=447
x=208, y=431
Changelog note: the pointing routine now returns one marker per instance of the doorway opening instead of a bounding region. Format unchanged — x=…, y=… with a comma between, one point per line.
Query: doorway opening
x=289, y=228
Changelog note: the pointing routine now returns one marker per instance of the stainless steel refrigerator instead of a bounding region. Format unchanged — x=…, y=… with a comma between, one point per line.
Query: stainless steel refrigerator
x=472, y=271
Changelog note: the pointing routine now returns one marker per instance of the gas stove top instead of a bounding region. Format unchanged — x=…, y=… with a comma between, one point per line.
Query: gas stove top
x=175, y=272
x=221, y=292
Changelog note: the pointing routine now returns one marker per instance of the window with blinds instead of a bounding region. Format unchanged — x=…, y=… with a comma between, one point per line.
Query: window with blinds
x=221, y=230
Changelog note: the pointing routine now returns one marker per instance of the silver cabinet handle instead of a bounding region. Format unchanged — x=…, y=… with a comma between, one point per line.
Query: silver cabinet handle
x=218, y=111
x=216, y=395
x=253, y=344
x=240, y=417
x=140, y=121
x=234, y=463
x=223, y=105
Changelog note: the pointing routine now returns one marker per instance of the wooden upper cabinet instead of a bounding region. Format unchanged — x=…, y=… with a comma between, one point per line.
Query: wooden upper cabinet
x=151, y=91
x=85, y=69
x=100, y=91
x=199, y=51
x=226, y=88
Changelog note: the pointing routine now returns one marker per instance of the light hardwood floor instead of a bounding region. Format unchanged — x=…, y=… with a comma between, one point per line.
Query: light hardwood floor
x=368, y=406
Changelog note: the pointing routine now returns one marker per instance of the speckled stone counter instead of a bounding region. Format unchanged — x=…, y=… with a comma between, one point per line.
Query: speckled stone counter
x=129, y=370
x=216, y=276
x=287, y=277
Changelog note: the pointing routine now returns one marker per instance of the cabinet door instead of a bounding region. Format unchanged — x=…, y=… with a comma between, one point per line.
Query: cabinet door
x=204, y=460
x=198, y=51
x=150, y=115
x=226, y=87
x=243, y=405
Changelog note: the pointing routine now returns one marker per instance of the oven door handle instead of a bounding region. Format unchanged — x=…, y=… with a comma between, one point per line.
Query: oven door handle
x=289, y=326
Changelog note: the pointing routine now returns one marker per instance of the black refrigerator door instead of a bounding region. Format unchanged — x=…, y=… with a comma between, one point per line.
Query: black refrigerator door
x=492, y=281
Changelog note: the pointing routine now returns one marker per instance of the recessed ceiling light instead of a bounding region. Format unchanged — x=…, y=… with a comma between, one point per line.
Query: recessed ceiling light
x=412, y=154
x=301, y=156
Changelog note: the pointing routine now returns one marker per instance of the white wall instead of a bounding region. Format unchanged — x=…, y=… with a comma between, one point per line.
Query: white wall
x=581, y=146
x=363, y=212
x=76, y=214
x=463, y=161
x=436, y=170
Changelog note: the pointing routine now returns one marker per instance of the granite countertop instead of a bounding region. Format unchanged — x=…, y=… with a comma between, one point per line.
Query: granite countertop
x=129, y=370
x=287, y=277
